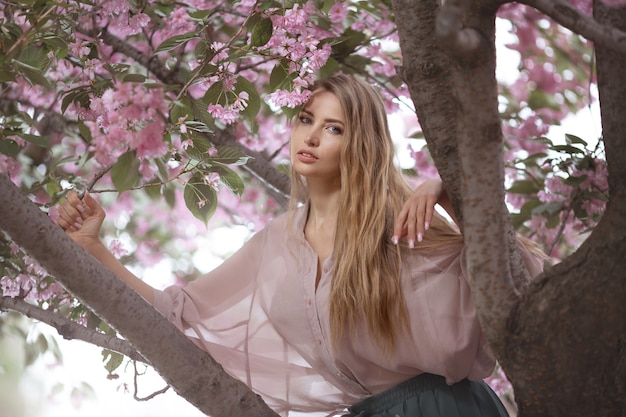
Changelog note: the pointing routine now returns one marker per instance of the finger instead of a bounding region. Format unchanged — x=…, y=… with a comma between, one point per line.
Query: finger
x=411, y=223
x=399, y=227
x=428, y=217
x=71, y=216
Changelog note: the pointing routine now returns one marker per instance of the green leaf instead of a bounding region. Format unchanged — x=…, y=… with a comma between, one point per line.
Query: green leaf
x=569, y=149
x=33, y=75
x=261, y=32
x=175, y=41
x=547, y=208
x=201, y=113
x=215, y=94
x=573, y=139
x=200, y=198
x=329, y=69
x=35, y=140
x=575, y=181
x=112, y=360
x=181, y=108
x=79, y=95
x=229, y=178
x=9, y=147
x=524, y=187
x=280, y=78
x=347, y=43
x=229, y=155
x=290, y=113
x=200, y=14
x=134, y=78
x=254, y=100
x=125, y=172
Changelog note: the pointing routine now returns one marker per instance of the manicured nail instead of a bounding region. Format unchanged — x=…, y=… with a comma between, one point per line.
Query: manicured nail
x=426, y=225
x=80, y=208
x=419, y=237
x=411, y=243
x=77, y=225
x=394, y=239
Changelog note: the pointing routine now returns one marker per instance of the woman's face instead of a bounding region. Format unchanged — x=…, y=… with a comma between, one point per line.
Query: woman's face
x=317, y=137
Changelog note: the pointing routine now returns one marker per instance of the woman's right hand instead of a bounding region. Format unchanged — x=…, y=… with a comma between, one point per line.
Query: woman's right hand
x=81, y=218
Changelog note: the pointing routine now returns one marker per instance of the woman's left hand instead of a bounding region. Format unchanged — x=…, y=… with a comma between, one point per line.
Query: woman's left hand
x=417, y=212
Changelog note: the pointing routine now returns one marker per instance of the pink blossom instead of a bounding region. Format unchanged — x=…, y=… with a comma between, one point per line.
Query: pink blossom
x=212, y=151
x=338, y=12
x=292, y=99
x=10, y=166
x=79, y=48
x=117, y=249
x=221, y=52
x=424, y=165
x=212, y=180
x=149, y=141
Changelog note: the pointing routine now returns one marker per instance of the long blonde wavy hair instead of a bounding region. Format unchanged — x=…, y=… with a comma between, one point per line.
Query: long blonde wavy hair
x=367, y=265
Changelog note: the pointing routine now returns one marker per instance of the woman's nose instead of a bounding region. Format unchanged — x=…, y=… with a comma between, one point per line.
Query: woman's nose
x=312, y=139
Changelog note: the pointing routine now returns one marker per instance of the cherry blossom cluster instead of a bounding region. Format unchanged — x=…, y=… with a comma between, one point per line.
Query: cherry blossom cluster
x=127, y=117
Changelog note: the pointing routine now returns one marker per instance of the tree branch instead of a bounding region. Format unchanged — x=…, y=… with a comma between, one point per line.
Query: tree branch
x=426, y=69
x=70, y=330
x=189, y=370
x=570, y=17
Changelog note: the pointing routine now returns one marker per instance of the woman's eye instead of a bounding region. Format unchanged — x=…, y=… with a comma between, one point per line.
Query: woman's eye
x=335, y=130
x=305, y=120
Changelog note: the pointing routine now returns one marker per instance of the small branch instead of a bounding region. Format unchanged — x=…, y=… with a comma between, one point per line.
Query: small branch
x=68, y=329
x=570, y=17
x=136, y=387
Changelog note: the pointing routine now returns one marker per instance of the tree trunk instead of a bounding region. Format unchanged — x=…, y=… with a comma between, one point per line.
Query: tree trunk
x=563, y=343
x=190, y=371
x=569, y=341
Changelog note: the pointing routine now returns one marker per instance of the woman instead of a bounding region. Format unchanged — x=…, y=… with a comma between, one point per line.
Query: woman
x=324, y=309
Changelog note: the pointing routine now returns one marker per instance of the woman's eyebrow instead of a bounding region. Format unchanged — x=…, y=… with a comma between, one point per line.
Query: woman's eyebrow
x=328, y=120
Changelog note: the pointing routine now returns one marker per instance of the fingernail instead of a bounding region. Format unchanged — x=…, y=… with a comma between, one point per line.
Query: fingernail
x=419, y=237
x=411, y=243
x=76, y=225
x=394, y=239
x=80, y=208
x=426, y=225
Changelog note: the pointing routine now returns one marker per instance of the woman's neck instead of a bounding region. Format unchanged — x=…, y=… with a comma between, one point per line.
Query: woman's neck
x=323, y=208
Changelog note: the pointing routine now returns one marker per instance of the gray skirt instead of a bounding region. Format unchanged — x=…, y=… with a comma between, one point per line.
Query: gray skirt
x=428, y=395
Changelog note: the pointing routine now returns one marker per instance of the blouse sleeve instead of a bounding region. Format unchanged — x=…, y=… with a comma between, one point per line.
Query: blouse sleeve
x=222, y=289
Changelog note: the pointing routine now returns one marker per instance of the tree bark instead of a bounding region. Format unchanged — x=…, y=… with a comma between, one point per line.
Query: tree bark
x=562, y=340
x=189, y=370
x=457, y=108
x=426, y=69
x=568, y=347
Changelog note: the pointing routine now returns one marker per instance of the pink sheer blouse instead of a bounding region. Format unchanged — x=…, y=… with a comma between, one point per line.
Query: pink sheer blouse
x=260, y=316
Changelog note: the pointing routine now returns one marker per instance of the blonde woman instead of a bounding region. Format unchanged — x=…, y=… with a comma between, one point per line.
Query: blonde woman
x=327, y=309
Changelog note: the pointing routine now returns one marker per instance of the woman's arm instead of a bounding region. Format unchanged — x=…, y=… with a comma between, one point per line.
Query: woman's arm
x=82, y=220
x=417, y=212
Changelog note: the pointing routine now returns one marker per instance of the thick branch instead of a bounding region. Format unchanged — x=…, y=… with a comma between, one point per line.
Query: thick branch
x=69, y=329
x=152, y=64
x=462, y=104
x=426, y=71
x=189, y=370
x=569, y=16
